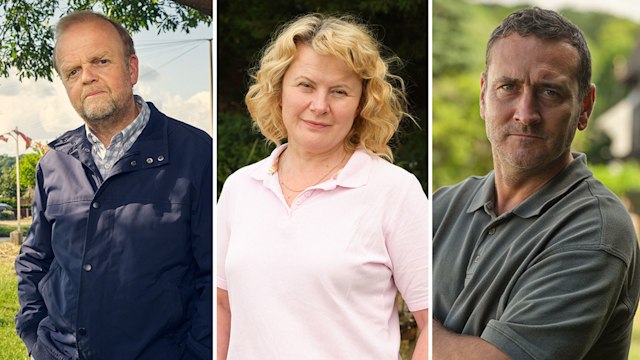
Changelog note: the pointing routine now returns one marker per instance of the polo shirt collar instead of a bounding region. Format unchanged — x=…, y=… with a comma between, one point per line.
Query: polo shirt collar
x=537, y=203
x=354, y=174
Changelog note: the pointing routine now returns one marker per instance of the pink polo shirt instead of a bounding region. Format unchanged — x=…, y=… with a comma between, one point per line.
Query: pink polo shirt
x=318, y=280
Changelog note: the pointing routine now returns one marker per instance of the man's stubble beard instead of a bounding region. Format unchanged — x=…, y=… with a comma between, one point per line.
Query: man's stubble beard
x=110, y=110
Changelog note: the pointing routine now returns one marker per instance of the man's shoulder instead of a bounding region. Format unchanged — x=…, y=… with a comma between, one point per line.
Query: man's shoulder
x=69, y=138
x=612, y=216
x=190, y=131
x=181, y=130
x=177, y=128
x=465, y=188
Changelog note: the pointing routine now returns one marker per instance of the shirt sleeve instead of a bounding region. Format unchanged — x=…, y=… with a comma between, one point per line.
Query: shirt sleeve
x=32, y=264
x=561, y=305
x=407, y=239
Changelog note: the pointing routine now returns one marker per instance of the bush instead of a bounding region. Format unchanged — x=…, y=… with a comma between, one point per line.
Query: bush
x=5, y=230
x=11, y=201
x=7, y=215
x=620, y=177
x=238, y=144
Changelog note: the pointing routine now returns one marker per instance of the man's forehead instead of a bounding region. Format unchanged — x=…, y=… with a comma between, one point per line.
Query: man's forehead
x=555, y=54
x=523, y=40
x=90, y=36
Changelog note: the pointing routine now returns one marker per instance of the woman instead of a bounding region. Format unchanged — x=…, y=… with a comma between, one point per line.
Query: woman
x=315, y=241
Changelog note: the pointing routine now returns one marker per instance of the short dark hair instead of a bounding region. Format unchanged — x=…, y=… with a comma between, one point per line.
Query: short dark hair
x=546, y=24
x=81, y=16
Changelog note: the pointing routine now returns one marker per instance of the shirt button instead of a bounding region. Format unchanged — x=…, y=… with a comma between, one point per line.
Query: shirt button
x=160, y=158
x=107, y=166
x=492, y=231
x=477, y=258
x=87, y=267
x=95, y=205
x=82, y=331
x=134, y=163
x=149, y=161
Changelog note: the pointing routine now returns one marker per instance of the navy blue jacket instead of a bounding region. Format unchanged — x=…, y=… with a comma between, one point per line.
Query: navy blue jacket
x=121, y=268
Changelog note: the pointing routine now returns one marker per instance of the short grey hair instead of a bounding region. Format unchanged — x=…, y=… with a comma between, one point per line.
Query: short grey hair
x=85, y=15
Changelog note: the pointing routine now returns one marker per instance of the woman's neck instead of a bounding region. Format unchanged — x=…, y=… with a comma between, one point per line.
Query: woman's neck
x=298, y=170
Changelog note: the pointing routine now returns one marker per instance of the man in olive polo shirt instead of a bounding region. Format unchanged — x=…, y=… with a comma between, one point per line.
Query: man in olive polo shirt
x=537, y=259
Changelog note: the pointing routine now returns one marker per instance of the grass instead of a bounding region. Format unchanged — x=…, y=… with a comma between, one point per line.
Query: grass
x=11, y=346
x=634, y=351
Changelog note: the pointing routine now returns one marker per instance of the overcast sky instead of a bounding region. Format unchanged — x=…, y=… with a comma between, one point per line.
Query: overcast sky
x=623, y=8
x=174, y=75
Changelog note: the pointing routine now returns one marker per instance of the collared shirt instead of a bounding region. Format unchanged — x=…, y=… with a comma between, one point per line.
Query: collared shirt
x=554, y=278
x=105, y=158
x=318, y=279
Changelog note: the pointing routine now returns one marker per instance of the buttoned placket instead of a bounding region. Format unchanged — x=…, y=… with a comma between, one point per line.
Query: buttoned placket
x=485, y=238
x=94, y=214
x=299, y=200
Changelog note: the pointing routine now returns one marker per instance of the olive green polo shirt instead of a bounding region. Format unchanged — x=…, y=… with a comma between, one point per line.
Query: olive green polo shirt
x=555, y=278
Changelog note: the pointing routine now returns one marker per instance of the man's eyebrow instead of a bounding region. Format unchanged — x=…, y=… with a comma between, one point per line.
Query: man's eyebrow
x=505, y=78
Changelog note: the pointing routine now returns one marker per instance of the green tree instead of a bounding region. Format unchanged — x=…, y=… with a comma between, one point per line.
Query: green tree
x=28, y=164
x=460, y=147
x=8, y=182
x=6, y=161
x=26, y=35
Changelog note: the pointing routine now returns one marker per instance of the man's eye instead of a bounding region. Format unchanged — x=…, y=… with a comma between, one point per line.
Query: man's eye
x=550, y=93
x=72, y=73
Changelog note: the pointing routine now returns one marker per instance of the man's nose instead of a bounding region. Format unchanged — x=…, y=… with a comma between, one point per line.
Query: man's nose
x=88, y=74
x=527, y=108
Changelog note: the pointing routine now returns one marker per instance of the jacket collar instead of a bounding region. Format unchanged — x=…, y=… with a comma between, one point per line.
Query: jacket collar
x=151, y=149
x=537, y=203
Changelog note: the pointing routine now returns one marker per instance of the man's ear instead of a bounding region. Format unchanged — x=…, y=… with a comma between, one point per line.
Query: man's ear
x=483, y=87
x=588, y=101
x=133, y=69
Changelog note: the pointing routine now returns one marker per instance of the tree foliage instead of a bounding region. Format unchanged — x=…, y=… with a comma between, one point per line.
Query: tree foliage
x=8, y=182
x=26, y=27
x=28, y=163
x=6, y=161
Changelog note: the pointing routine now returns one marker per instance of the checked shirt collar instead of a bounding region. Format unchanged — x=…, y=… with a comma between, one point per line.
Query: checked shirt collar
x=105, y=158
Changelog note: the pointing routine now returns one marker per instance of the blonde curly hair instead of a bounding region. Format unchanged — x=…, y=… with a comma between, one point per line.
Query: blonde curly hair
x=383, y=103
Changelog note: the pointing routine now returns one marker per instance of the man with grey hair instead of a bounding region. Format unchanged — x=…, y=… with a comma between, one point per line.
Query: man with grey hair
x=117, y=263
x=537, y=259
